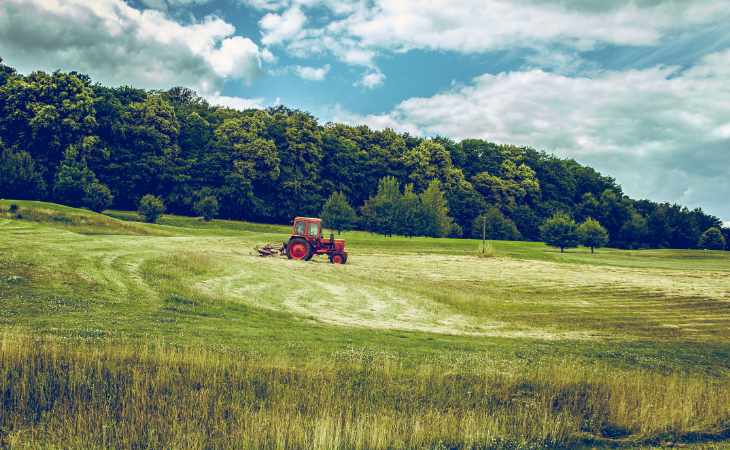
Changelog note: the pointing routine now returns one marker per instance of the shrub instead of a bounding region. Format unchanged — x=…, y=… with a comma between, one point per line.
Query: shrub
x=207, y=207
x=13, y=208
x=97, y=196
x=486, y=250
x=151, y=208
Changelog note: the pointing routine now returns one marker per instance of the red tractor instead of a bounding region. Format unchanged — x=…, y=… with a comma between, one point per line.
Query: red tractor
x=306, y=241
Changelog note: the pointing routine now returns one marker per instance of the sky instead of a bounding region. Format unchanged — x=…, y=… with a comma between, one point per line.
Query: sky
x=638, y=89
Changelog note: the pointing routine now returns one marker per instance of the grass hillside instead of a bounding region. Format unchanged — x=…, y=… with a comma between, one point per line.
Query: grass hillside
x=176, y=335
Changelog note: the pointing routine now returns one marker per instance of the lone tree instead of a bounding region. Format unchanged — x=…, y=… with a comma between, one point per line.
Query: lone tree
x=151, y=208
x=560, y=231
x=712, y=239
x=338, y=214
x=592, y=234
x=207, y=207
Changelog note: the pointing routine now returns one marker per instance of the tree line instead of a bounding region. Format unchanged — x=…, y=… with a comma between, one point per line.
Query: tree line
x=67, y=139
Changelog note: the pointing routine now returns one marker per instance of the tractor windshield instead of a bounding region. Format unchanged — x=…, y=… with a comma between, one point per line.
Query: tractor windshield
x=299, y=228
x=314, y=229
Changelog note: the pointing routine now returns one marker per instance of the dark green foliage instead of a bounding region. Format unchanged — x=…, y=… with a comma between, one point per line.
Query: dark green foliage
x=380, y=212
x=634, y=231
x=151, y=208
x=712, y=239
x=18, y=176
x=465, y=203
x=207, y=207
x=406, y=213
x=435, y=219
x=527, y=221
x=73, y=179
x=410, y=217
x=65, y=137
x=338, y=214
x=97, y=196
x=495, y=226
x=592, y=234
x=560, y=231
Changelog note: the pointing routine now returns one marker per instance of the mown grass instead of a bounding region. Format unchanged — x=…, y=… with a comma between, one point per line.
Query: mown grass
x=414, y=343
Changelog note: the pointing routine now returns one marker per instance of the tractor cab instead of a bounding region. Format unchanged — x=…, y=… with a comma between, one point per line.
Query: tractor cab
x=307, y=227
x=306, y=241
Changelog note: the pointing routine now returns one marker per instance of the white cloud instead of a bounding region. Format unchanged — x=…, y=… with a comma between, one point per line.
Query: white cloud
x=313, y=73
x=660, y=131
x=359, y=30
x=164, y=5
x=268, y=5
x=237, y=57
x=238, y=103
x=277, y=28
x=117, y=44
x=377, y=121
x=371, y=80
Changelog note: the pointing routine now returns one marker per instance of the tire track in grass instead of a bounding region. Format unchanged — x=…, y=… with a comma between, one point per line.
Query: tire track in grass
x=338, y=295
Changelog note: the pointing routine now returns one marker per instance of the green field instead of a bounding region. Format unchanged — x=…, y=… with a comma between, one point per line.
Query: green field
x=176, y=335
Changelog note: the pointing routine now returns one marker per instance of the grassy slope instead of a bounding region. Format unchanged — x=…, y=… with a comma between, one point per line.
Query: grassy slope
x=200, y=284
x=75, y=274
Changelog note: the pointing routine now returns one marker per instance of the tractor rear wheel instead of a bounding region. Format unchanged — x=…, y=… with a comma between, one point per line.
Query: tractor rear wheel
x=338, y=258
x=298, y=249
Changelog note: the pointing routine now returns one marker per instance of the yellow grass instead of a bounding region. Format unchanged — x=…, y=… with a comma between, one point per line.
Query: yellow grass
x=100, y=395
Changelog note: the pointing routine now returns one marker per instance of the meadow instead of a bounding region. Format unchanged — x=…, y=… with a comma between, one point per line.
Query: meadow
x=115, y=333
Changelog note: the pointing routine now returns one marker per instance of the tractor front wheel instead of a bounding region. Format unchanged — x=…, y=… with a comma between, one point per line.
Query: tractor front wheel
x=298, y=249
x=338, y=258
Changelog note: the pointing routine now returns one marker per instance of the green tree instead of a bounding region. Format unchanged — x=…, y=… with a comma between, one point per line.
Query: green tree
x=428, y=161
x=712, y=239
x=435, y=212
x=634, y=231
x=410, y=218
x=465, y=203
x=592, y=234
x=207, y=207
x=495, y=225
x=151, y=208
x=145, y=156
x=19, y=177
x=527, y=222
x=380, y=212
x=97, y=196
x=560, y=231
x=298, y=140
x=45, y=114
x=337, y=213
x=73, y=179
x=589, y=206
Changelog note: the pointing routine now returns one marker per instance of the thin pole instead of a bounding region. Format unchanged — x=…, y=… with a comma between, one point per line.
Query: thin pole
x=484, y=234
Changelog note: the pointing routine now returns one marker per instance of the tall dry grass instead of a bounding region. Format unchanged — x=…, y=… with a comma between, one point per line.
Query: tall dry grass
x=101, y=395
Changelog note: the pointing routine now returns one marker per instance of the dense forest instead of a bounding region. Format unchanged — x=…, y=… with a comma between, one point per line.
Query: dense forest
x=66, y=139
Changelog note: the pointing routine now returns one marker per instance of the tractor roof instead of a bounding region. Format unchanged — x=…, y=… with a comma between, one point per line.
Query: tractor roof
x=307, y=219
